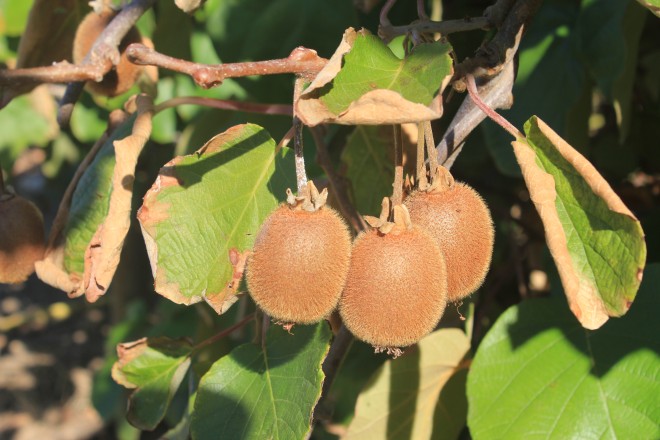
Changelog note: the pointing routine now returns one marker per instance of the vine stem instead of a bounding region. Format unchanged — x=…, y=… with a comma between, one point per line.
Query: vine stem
x=302, y=61
x=224, y=104
x=2, y=180
x=492, y=114
x=223, y=333
x=397, y=193
x=301, y=175
x=103, y=53
x=384, y=21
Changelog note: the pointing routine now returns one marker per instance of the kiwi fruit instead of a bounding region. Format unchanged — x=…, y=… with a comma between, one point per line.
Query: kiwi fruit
x=122, y=76
x=300, y=260
x=459, y=221
x=391, y=298
x=22, y=240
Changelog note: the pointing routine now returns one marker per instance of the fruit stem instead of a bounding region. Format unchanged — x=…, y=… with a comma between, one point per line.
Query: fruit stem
x=430, y=145
x=397, y=193
x=422, y=181
x=208, y=341
x=492, y=114
x=301, y=176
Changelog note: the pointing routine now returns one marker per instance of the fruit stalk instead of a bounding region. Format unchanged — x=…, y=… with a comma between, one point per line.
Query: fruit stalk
x=492, y=114
x=397, y=193
x=301, y=176
x=422, y=182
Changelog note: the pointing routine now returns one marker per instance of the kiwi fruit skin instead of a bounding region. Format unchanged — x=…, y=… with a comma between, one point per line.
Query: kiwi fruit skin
x=122, y=76
x=459, y=221
x=299, y=264
x=392, y=298
x=22, y=240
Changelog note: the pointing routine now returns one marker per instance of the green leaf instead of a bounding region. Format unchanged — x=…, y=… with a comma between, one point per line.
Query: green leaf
x=14, y=16
x=597, y=243
x=369, y=166
x=407, y=399
x=587, y=39
x=155, y=367
x=263, y=391
x=365, y=83
x=204, y=211
x=245, y=30
x=90, y=202
x=371, y=65
x=651, y=5
x=539, y=374
x=21, y=126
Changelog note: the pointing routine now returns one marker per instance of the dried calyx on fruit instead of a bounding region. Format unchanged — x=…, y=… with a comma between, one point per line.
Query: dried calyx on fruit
x=122, y=77
x=459, y=221
x=300, y=259
x=396, y=290
x=21, y=237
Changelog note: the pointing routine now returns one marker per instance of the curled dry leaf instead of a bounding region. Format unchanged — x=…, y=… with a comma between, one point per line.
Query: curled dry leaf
x=597, y=243
x=102, y=255
x=102, y=251
x=365, y=83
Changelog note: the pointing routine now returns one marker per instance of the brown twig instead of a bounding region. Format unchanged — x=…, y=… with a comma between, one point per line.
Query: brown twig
x=430, y=145
x=302, y=61
x=104, y=53
x=337, y=183
x=422, y=181
x=421, y=10
x=223, y=333
x=445, y=27
x=492, y=114
x=223, y=104
x=62, y=72
x=384, y=20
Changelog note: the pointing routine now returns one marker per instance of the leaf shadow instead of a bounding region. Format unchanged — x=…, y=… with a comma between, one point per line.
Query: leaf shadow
x=617, y=339
x=220, y=416
x=190, y=174
x=401, y=400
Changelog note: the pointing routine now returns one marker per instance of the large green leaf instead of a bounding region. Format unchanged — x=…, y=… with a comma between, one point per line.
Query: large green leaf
x=597, y=243
x=371, y=65
x=90, y=202
x=539, y=374
x=369, y=166
x=21, y=127
x=155, y=367
x=407, y=398
x=366, y=83
x=204, y=210
x=265, y=391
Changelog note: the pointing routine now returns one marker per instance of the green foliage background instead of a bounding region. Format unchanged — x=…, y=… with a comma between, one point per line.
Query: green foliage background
x=590, y=69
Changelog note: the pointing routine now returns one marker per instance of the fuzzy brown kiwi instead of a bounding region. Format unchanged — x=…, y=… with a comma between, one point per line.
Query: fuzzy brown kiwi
x=299, y=264
x=122, y=77
x=391, y=298
x=21, y=238
x=460, y=223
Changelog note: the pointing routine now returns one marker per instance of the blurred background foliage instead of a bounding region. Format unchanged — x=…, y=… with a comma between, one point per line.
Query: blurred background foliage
x=591, y=69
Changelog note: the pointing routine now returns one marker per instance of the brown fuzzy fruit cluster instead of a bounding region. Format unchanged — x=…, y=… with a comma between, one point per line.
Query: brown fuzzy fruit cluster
x=391, y=298
x=122, y=77
x=299, y=264
x=460, y=223
x=21, y=238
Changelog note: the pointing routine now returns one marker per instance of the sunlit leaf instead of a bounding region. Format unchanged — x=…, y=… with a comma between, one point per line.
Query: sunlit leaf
x=263, y=391
x=365, y=83
x=651, y=5
x=597, y=243
x=154, y=367
x=205, y=209
x=539, y=374
x=407, y=397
